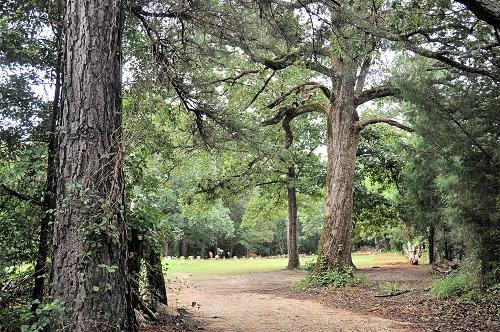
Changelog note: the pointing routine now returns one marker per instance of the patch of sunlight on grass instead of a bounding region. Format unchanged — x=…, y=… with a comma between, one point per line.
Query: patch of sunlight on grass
x=361, y=259
x=205, y=267
x=223, y=266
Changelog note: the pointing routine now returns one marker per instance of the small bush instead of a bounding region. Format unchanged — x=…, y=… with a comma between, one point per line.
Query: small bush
x=390, y=287
x=452, y=286
x=308, y=265
x=332, y=279
x=45, y=314
x=336, y=278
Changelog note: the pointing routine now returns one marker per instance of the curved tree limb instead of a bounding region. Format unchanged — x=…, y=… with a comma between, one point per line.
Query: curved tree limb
x=363, y=123
x=293, y=112
x=375, y=93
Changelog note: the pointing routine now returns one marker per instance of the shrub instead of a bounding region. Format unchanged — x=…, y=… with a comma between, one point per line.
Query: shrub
x=390, y=287
x=308, y=265
x=452, y=286
x=45, y=314
x=333, y=279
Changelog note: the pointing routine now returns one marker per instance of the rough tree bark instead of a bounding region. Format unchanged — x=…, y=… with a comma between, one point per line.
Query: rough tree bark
x=89, y=266
x=342, y=142
x=293, y=250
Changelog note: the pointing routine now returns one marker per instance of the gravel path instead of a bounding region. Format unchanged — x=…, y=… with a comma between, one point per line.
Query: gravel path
x=252, y=302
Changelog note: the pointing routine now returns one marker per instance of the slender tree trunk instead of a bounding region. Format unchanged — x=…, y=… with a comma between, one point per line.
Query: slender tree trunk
x=202, y=250
x=432, y=235
x=166, y=250
x=447, y=247
x=342, y=142
x=89, y=266
x=387, y=244
x=184, y=250
x=49, y=198
x=293, y=250
x=135, y=249
x=156, y=281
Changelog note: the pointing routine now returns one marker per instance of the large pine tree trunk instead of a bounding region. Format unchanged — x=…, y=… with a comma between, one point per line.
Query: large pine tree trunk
x=293, y=250
x=89, y=265
x=342, y=142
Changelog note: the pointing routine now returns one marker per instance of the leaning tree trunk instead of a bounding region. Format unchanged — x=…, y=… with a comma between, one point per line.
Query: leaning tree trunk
x=293, y=250
x=89, y=265
x=342, y=142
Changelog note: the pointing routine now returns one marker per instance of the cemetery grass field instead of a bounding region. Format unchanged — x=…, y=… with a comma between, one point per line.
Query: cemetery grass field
x=206, y=267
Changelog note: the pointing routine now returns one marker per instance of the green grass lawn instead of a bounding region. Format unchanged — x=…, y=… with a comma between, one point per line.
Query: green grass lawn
x=205, y=267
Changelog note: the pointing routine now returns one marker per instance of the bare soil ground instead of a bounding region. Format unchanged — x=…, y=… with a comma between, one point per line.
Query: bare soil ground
x=265, y=301
x=416, y=306
x=260, y=302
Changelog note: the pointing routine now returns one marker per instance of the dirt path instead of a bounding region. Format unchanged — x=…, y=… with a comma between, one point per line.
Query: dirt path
x=250, y=303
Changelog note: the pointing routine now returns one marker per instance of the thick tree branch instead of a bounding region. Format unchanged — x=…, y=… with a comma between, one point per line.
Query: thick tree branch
x=287, y=114
x=363, y=123
x=486, y=10
x=360, y=80
x=375, y=93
